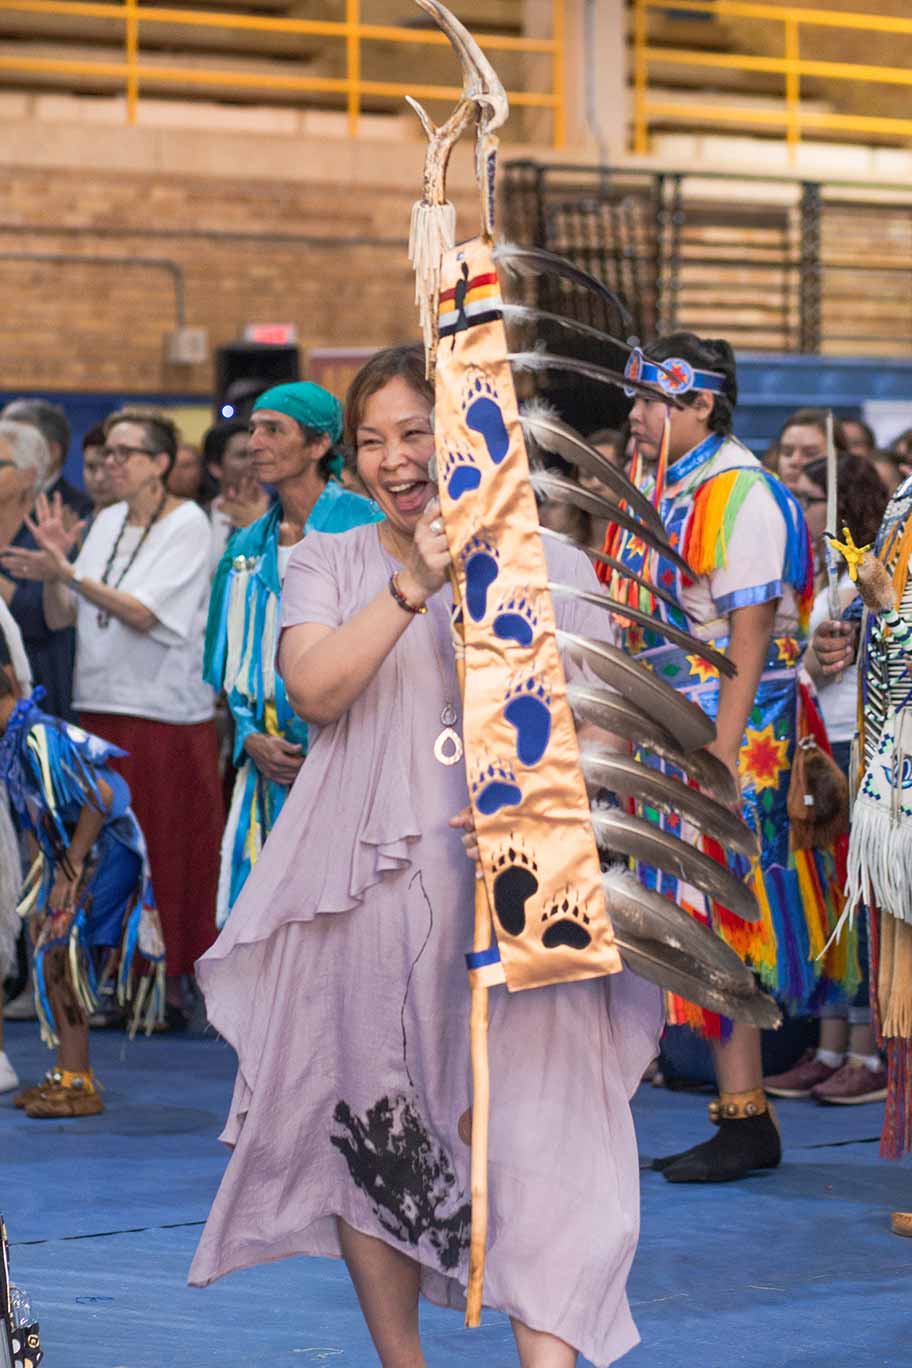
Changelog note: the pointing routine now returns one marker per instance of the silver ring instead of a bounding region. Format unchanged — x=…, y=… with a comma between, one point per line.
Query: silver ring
x=437, y=525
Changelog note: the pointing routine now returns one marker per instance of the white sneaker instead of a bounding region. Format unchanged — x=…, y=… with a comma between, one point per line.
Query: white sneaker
x=9, y=1079
x=21, y=1008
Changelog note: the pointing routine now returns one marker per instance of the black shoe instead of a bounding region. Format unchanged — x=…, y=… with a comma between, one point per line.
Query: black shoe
x=666, y=1161
x=738, y=1148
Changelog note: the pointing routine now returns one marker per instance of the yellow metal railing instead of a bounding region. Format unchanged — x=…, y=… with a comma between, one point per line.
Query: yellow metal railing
x=792, y=67
x=133, y=74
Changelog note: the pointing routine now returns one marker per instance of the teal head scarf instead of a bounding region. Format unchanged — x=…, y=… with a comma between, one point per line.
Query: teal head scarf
x=310, y=404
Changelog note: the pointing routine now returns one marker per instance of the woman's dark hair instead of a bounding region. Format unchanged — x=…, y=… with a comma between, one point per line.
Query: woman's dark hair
x=816, y=418
x=161, y=434
x=334, y=456
x=703, y=353
x=861, y=497
x=893, y=458
x=392, y=363
x=217, y=438
x=94, y=437
x=866, y=430
x=607, y=437
x=902, y=442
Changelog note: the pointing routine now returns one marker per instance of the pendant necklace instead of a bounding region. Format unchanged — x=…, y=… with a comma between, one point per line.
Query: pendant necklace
x=448, y=746
x=104, y=618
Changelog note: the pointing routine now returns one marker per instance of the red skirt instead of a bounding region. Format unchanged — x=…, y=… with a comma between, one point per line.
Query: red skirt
x=176, y=793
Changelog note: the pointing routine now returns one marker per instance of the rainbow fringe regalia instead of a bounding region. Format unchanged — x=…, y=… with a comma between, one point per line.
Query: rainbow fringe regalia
x=52, y=770
x=700, y=498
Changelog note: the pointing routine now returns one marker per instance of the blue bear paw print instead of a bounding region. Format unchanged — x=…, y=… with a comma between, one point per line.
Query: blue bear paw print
x=482, y=563
x=528, y=709
x=481, y=410
x=460, y=473
x=495, y=787
x=516, y=619
x=565, y=922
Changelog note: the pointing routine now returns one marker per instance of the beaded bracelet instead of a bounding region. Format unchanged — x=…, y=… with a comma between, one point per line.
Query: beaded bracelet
x=400, y=597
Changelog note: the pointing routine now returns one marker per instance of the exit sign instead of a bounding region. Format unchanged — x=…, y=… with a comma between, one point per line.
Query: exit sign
x=272, y=334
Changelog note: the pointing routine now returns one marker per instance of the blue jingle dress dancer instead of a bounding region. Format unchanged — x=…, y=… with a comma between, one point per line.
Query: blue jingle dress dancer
x=88, y=890
x=294, y=430
x=745, y=537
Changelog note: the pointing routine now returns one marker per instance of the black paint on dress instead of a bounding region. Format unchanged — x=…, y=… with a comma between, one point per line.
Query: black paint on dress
x=412, y=967
x=408, y=1177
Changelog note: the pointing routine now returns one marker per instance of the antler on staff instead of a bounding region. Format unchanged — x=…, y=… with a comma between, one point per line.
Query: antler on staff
x=433, y=228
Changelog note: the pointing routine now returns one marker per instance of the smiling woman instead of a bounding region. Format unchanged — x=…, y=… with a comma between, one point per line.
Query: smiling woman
x=340, y=976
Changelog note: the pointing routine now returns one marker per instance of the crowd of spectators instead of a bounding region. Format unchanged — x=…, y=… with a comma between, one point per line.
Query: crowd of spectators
x=151, y=522
x=148, y=528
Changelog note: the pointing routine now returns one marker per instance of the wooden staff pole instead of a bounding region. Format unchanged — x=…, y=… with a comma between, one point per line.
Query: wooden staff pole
x=832, y=567
x=481, y=1074
x=481, y=1103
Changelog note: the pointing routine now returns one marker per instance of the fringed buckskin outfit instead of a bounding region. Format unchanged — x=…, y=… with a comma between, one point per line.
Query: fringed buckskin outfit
x=880, y=853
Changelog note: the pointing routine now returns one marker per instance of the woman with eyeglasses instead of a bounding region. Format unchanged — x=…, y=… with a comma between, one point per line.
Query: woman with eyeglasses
x=138, y=593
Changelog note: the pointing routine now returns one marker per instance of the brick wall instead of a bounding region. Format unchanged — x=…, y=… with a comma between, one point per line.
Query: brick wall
x=250, y=250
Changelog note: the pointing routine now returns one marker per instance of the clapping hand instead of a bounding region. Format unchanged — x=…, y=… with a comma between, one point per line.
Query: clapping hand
x=245, y=502
x=57, y=526
x=56, y=534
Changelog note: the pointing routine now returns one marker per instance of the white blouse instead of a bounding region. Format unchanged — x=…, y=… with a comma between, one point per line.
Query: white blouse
x=155, y=674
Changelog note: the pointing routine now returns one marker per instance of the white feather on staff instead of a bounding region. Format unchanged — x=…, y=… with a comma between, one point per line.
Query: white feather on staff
x=832, y=568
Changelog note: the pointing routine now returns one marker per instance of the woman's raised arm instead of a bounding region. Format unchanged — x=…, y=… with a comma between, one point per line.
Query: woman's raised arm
x=325, y=669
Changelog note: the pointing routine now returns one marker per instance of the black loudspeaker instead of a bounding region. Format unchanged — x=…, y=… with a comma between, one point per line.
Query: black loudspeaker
x=244, y=369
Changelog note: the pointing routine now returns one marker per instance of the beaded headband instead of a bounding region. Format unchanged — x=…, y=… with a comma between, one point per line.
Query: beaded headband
x=674, y=376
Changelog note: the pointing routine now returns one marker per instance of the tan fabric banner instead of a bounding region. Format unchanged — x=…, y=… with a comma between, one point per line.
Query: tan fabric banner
x=539, y=857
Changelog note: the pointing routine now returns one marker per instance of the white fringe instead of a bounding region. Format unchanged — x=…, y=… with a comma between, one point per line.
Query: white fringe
x=432, y=233
x=222, y=902
x=9, y=628
x=270, y=628
x=880, y=859
x=10, y=886
x=237, y=604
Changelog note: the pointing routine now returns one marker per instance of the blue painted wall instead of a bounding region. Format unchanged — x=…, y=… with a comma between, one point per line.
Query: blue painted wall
x=772, y=386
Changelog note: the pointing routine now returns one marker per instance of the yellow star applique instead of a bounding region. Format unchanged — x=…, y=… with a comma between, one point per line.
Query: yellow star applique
x=787, y=649
x=763, y=758
x=702, y=668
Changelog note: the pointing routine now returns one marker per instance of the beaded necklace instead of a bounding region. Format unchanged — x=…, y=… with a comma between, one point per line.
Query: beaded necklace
x=104, y=618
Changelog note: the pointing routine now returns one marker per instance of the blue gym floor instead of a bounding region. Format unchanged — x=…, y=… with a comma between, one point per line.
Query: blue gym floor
x=796, y=1267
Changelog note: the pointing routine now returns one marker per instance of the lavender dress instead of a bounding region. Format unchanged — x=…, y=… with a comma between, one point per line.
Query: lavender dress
x=340, y=981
